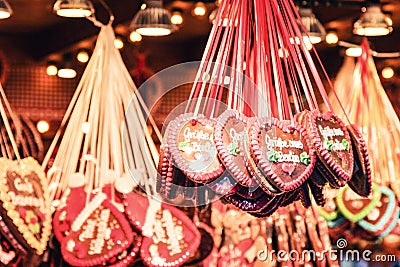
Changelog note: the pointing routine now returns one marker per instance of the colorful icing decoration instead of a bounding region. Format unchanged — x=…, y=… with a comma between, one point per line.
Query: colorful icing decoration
x=354, y=207
x=233, y=149
x=190, y=141
x=25, y=203
x=331, y=141
x=171, y=238
x=381, y=218
x=305, y=158
x=230, y=136
x=273, y=156
x=279, y=149
x=100, y=232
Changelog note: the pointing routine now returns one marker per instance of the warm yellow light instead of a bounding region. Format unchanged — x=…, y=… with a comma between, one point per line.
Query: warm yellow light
x=308, y=42
x=82, y=56
x=135, y=37
x=331, y=38
x=354, y=51
x=153, y=31
x=66, y=73
x=74, y=13
x=42, y=126
x=199, y=9
x=176, y=18
x=4, y=14
x=51, y=70
x=387, y=72
x=118, y=43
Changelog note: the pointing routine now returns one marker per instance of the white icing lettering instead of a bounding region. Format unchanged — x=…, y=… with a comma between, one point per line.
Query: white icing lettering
x=273, y=143
x=338, y=146
x=18, y=200
x=328, y=133
x=290, y=157
x=196, y=135
x=235, y=136
x=96, y=245
x=24, y=186
x=89, y=231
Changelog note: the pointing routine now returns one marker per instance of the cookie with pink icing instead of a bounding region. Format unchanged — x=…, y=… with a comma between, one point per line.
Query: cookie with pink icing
x=331, y=141
x=229, y=138
x=190, y=141
x=282, y=152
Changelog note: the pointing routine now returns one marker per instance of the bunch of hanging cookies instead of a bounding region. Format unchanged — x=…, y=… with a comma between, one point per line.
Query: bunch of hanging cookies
x=258, y=130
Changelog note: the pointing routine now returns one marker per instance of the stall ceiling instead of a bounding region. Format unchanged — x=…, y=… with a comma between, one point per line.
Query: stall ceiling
x=44, y=33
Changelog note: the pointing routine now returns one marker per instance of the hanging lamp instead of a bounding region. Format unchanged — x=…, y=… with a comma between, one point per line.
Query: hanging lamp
x=5, y=9
x=373, y=23
x=152, y=20
x=73, y=8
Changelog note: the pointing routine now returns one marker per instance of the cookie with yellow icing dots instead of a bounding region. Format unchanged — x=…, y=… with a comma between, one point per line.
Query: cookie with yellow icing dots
x=25, y=204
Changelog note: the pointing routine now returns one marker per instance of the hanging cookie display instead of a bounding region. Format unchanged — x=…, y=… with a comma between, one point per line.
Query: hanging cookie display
x=25, y=202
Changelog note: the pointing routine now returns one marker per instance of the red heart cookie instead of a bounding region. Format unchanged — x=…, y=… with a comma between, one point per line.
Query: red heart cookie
x=191, y=144
x=332, y=143
x=230, y=132
x=282, y=153
x=25, y=202
x=99, y=233
x=173, y=237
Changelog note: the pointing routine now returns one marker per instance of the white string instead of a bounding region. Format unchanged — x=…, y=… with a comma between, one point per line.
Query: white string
x=104, y=92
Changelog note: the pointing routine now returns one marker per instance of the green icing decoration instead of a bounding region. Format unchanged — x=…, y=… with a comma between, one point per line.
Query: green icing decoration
x=183, y=146
x=273, y=156
x=233, y=149
x=329, y=216
x=376, y=196
x=305, y=158
x=346, y=144
x=328, y=144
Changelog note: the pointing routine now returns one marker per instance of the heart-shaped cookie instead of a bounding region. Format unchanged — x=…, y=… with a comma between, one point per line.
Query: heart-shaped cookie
x=361, y=181
x=99, y=233
x=282, y=153
x=354, y=207
x=332, y=143
x=230, y=131
x=174, y=238
x=25, y=202
x=384, y=216
x=190, y=141
x=74, y=204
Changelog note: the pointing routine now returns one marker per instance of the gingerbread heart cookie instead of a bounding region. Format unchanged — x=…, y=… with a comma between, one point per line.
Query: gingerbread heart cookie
x=25, y=205
x=282, y=152
x=170, y=237
x=354, y=207
x=229, y=139
x=190, y=141
x=361, y=181
x=332, y=143
x=99, y=233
